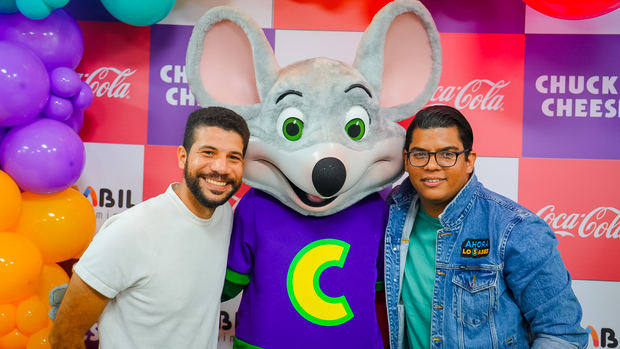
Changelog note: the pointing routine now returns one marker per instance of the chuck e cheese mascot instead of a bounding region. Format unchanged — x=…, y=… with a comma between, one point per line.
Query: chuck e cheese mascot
x=307, y=240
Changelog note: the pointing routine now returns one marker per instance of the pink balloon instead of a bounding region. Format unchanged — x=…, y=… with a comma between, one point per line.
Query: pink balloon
x=24, y=84
x=43, y=156
x=57, y=39
x=573, y=9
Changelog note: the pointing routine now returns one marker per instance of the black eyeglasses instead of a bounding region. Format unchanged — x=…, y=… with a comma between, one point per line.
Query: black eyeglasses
x=444, y=158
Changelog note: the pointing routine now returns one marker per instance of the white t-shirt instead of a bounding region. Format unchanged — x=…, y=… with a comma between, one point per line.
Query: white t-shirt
x=163, y=268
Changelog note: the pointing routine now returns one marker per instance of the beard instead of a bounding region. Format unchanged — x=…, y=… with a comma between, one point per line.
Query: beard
x=193, y=183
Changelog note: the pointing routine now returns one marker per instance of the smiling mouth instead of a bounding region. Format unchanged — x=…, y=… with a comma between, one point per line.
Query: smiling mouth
x=309, y=199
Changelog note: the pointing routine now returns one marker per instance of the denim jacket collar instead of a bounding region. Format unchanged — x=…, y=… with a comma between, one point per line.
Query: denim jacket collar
x=456, y=210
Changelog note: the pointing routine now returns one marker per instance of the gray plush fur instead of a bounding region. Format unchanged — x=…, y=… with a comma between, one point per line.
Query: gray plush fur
x=275, y=164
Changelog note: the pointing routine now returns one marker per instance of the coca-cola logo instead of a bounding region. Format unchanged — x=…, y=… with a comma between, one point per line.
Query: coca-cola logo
x=477, y=94
x=109, y=82
x=598, y=223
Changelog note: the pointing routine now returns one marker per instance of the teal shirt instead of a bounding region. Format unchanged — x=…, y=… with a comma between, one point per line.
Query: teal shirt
x=419, y=280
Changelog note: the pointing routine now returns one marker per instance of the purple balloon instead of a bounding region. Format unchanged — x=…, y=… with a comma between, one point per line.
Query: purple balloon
x=3, y=131
x=24, y=84
x=43, y=156
x=58, y=108
x=84, y=98
x=65, y=82
x=76, y=121
x=57, y=39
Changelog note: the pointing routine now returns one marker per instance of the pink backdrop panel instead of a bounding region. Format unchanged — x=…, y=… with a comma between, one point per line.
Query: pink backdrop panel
x=352, y=15
x=580, y=200
x=160, y=169
x=482, y=75
x=116, y=66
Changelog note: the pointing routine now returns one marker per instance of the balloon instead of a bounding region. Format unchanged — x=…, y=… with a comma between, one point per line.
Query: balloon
x=44, y=156
x=3, y=130
x=58, y=108
x=57, y=3
x=139, y=12
x=65, y=82
x=20, y=266
x=8, y=6
x=24, y=84
x=7, y=318
x=76, y=121
x=34, y=9
x=57, y=39
x=13, y=340
x=10, y=202
x=39, y=340
x=31, y=315
x=84, y=98
x=51, y=276
x=573, y=9
x=61, y=225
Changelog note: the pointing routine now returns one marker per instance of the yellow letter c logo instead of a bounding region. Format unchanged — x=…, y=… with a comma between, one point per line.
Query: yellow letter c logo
x=303, y=283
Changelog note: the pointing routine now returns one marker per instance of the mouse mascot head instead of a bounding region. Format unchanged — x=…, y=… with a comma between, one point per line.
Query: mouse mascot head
x=324, y=139
x=324, y=133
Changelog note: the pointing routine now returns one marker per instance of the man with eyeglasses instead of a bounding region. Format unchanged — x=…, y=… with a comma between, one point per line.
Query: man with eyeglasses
x=466, y=267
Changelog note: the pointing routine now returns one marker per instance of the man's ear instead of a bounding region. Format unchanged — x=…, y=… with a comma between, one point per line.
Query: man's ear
x=471, y=160
x=181, y=156
x=405, y=158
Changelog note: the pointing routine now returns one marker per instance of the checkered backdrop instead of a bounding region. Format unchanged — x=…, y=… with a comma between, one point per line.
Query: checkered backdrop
x=541, y=94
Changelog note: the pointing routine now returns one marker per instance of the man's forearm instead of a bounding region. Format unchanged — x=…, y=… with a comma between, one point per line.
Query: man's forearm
x=63, y=339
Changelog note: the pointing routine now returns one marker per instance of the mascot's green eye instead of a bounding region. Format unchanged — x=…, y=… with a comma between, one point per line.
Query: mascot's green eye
x=292, y=128
x=356, y=129
x=356, y=122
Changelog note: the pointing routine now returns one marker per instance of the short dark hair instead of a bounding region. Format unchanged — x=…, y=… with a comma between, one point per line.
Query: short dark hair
x=215, y=116
x=441, y=116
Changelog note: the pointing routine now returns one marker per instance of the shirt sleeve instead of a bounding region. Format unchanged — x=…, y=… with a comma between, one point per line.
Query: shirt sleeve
x=541, y=285
x=111, y=263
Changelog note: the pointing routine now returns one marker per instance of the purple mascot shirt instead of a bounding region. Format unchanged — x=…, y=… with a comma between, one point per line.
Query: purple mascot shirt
x=311, y=279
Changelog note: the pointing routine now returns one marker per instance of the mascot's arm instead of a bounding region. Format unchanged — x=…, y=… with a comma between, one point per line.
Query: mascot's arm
x=234, y=284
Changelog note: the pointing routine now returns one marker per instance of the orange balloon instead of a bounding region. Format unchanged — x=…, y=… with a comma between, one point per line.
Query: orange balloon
x=13, y=340
x=51, y=276
x=39, y=340
x=7, y=318
x=20, y=266
x=10, y=202
x=60, y=224
x=31, y=315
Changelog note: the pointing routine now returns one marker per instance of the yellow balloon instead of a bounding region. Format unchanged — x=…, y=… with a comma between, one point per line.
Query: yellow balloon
x=60, y=224
x=10, y=202
x=7, y=318
x=39, y=340
x=31, y=315
x=51, y=276
x=20, y=267
x=13, y=340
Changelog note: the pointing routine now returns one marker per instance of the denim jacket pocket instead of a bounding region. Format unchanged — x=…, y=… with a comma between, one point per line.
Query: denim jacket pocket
x=475, y=295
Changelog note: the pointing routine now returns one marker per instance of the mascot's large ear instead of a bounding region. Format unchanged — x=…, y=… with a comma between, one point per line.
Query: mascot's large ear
x=229, y=61
x=400, y=55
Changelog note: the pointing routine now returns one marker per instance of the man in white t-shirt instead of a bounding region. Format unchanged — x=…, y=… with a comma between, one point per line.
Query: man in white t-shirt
x=153, y=275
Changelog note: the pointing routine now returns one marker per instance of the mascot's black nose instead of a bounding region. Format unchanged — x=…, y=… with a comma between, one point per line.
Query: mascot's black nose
x=328, y=176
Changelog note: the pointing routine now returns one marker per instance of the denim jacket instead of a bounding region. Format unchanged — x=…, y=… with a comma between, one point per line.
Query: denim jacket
x=499, y=280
